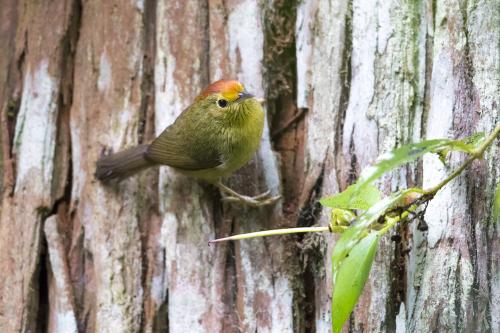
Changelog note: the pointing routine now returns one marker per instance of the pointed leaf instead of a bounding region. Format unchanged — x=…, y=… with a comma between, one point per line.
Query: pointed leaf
x=351, y=278
x=351, y=199
x=411, y=152
x=397, y=157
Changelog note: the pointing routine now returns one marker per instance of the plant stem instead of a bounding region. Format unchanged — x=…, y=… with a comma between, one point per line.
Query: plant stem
x=477, y=154
x=394, y=220
x=271, y=233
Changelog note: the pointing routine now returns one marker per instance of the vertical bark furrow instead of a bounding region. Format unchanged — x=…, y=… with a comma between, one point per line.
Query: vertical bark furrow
x=286, y=124
x=155, y=313
x=345, y=80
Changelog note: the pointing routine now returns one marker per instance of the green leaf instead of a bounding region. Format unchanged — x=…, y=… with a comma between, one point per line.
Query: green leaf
x=496, y=203
x=358, y=230
x=344, y=252
x=475, y=140
x=351, y=278
x=411, y=152
x=344, y=244
x=350, y=199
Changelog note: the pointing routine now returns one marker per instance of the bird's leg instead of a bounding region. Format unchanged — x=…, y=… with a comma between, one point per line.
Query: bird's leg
x=260, y=200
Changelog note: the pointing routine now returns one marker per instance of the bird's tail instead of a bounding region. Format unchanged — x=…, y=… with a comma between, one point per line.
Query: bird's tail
x=123, y=164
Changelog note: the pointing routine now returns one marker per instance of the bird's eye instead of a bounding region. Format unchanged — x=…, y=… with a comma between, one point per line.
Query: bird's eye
x=222, y=103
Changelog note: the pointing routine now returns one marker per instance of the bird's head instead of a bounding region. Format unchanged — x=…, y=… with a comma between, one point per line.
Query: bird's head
x=228, y=100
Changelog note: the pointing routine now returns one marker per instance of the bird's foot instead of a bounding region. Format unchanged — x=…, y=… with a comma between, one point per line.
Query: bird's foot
x=260, y=200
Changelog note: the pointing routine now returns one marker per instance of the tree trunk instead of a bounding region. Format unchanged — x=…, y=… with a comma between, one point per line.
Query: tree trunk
x=344, y=81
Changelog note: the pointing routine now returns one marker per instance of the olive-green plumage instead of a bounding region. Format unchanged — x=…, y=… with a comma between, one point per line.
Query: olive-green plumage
x=212, y=138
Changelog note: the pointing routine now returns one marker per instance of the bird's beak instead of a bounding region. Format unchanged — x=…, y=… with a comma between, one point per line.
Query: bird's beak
x=244, y=95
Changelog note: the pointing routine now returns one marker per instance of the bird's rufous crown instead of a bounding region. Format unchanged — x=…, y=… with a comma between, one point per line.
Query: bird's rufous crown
x=229, y=89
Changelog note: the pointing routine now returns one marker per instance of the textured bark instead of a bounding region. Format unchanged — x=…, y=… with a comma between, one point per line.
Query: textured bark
x=344, y=81
x=30, y=194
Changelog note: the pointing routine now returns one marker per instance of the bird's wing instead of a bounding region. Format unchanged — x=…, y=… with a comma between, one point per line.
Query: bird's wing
x=183, y=145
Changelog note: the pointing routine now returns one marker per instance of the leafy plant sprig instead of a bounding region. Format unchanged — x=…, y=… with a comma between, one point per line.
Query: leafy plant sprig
x=362, y=216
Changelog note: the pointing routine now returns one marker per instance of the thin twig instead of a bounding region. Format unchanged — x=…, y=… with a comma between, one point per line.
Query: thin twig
x=275, y=232
x=476, y=154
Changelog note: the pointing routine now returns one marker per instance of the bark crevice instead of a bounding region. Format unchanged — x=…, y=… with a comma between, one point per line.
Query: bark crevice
x=345, y=79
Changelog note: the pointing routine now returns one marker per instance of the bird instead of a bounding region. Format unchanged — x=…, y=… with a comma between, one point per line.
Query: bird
x=211, y=139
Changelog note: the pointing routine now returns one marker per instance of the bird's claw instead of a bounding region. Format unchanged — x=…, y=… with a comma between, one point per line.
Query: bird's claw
x=263, y=199
x=263, y=195
x=259, y=200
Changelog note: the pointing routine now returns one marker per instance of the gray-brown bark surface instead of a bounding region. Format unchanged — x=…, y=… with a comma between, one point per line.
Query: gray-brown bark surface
x=344, y=81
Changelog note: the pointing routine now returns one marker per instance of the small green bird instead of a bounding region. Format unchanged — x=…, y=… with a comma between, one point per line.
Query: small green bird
x=211, y=139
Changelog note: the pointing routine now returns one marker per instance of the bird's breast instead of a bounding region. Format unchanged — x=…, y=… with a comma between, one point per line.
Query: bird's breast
x=243, y=142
